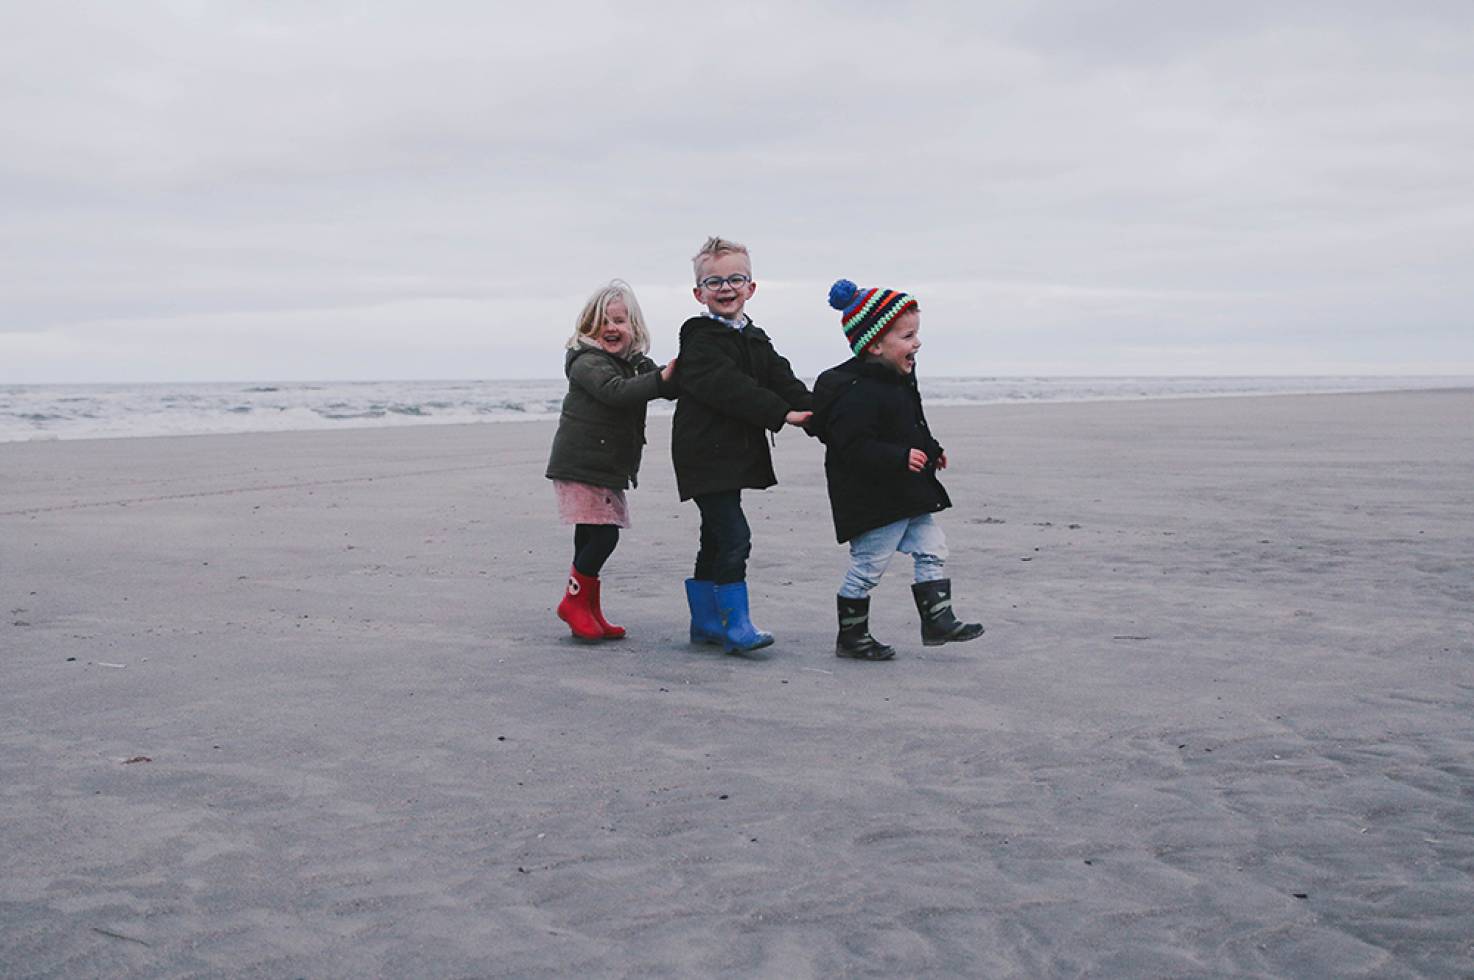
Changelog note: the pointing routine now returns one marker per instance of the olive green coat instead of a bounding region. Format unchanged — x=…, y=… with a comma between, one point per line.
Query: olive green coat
x=601, y=431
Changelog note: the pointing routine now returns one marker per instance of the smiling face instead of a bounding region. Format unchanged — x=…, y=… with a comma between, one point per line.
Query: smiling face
x=615, y=333
x=897, y=347
x=725, y=300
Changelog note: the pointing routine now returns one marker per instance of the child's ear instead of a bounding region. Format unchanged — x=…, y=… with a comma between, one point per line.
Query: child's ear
x=873, y=350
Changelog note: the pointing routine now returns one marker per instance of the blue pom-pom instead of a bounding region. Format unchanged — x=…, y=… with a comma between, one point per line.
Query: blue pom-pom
x=842, y=294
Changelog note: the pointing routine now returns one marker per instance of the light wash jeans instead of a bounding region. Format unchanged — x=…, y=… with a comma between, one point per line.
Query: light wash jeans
x=870, y=553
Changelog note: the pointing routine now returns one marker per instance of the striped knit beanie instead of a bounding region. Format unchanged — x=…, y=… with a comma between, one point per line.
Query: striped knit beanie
x=866, y=314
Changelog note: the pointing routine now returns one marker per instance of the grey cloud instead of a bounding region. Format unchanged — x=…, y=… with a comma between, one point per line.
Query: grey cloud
x=1130, y=177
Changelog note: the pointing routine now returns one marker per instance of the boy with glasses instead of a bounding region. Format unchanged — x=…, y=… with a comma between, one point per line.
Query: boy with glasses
x=735, y=388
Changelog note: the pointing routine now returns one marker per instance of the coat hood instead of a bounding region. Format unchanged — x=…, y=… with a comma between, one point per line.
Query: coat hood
x=833, y=383
x=575, y=353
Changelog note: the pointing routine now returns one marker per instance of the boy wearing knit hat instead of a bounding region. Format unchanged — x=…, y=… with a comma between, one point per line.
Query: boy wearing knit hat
x=880, y=463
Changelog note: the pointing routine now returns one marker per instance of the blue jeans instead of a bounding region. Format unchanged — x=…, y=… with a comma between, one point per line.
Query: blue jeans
x=870, y=553
x=726, y=539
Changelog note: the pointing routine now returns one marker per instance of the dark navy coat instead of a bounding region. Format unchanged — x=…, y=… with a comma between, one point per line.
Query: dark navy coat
x=735, y=388
x=869, y=417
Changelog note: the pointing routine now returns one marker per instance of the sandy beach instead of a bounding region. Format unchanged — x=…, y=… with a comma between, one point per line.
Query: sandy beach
x=297, y=705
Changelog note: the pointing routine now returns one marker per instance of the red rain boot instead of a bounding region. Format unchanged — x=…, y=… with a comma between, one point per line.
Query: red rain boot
x=575, y=609
x=611, y=632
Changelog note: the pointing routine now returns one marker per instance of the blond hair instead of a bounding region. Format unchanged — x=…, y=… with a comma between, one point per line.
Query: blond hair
x=715, y=246
x=591, y=320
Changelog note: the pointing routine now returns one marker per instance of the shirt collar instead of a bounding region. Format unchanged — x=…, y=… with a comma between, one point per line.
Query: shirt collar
x=734, y=324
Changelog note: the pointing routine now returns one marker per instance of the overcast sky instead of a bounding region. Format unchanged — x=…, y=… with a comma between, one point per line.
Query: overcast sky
x=282, y=191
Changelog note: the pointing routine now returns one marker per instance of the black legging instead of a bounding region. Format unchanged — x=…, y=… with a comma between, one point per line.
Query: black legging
x=592, y=546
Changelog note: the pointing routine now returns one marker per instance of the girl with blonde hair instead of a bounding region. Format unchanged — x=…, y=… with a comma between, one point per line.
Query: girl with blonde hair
x=601, y=433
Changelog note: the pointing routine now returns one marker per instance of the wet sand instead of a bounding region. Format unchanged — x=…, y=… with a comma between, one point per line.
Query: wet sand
x=296, y=705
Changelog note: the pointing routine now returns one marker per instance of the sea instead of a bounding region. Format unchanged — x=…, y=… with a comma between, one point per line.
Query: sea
x=114, y=411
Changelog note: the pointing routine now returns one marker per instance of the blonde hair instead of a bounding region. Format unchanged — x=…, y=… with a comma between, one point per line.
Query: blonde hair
x=715, y=246
x=591, y=320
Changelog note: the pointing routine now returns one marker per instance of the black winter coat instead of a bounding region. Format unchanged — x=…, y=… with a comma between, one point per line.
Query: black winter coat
x=869, y=417
x=733, y=386
x=601, y=431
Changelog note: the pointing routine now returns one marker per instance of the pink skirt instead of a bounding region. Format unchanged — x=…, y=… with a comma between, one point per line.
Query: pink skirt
x=584, y=503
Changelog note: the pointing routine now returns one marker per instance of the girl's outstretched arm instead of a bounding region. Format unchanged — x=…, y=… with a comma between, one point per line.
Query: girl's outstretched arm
x=600, y=377
x=668, y=386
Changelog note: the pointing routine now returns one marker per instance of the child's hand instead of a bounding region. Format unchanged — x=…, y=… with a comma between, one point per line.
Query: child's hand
x=916, y=462
x=797, y=418
x=942, y=461
x=668, y=370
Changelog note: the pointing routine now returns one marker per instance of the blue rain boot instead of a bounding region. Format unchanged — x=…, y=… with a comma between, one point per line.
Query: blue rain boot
x=738, y=633
x=706, y=622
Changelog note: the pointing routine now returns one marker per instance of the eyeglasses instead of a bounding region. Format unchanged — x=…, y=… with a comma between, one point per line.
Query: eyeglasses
x=736, y=280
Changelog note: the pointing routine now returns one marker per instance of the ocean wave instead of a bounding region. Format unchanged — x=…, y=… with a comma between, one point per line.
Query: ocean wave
x=91, y=411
